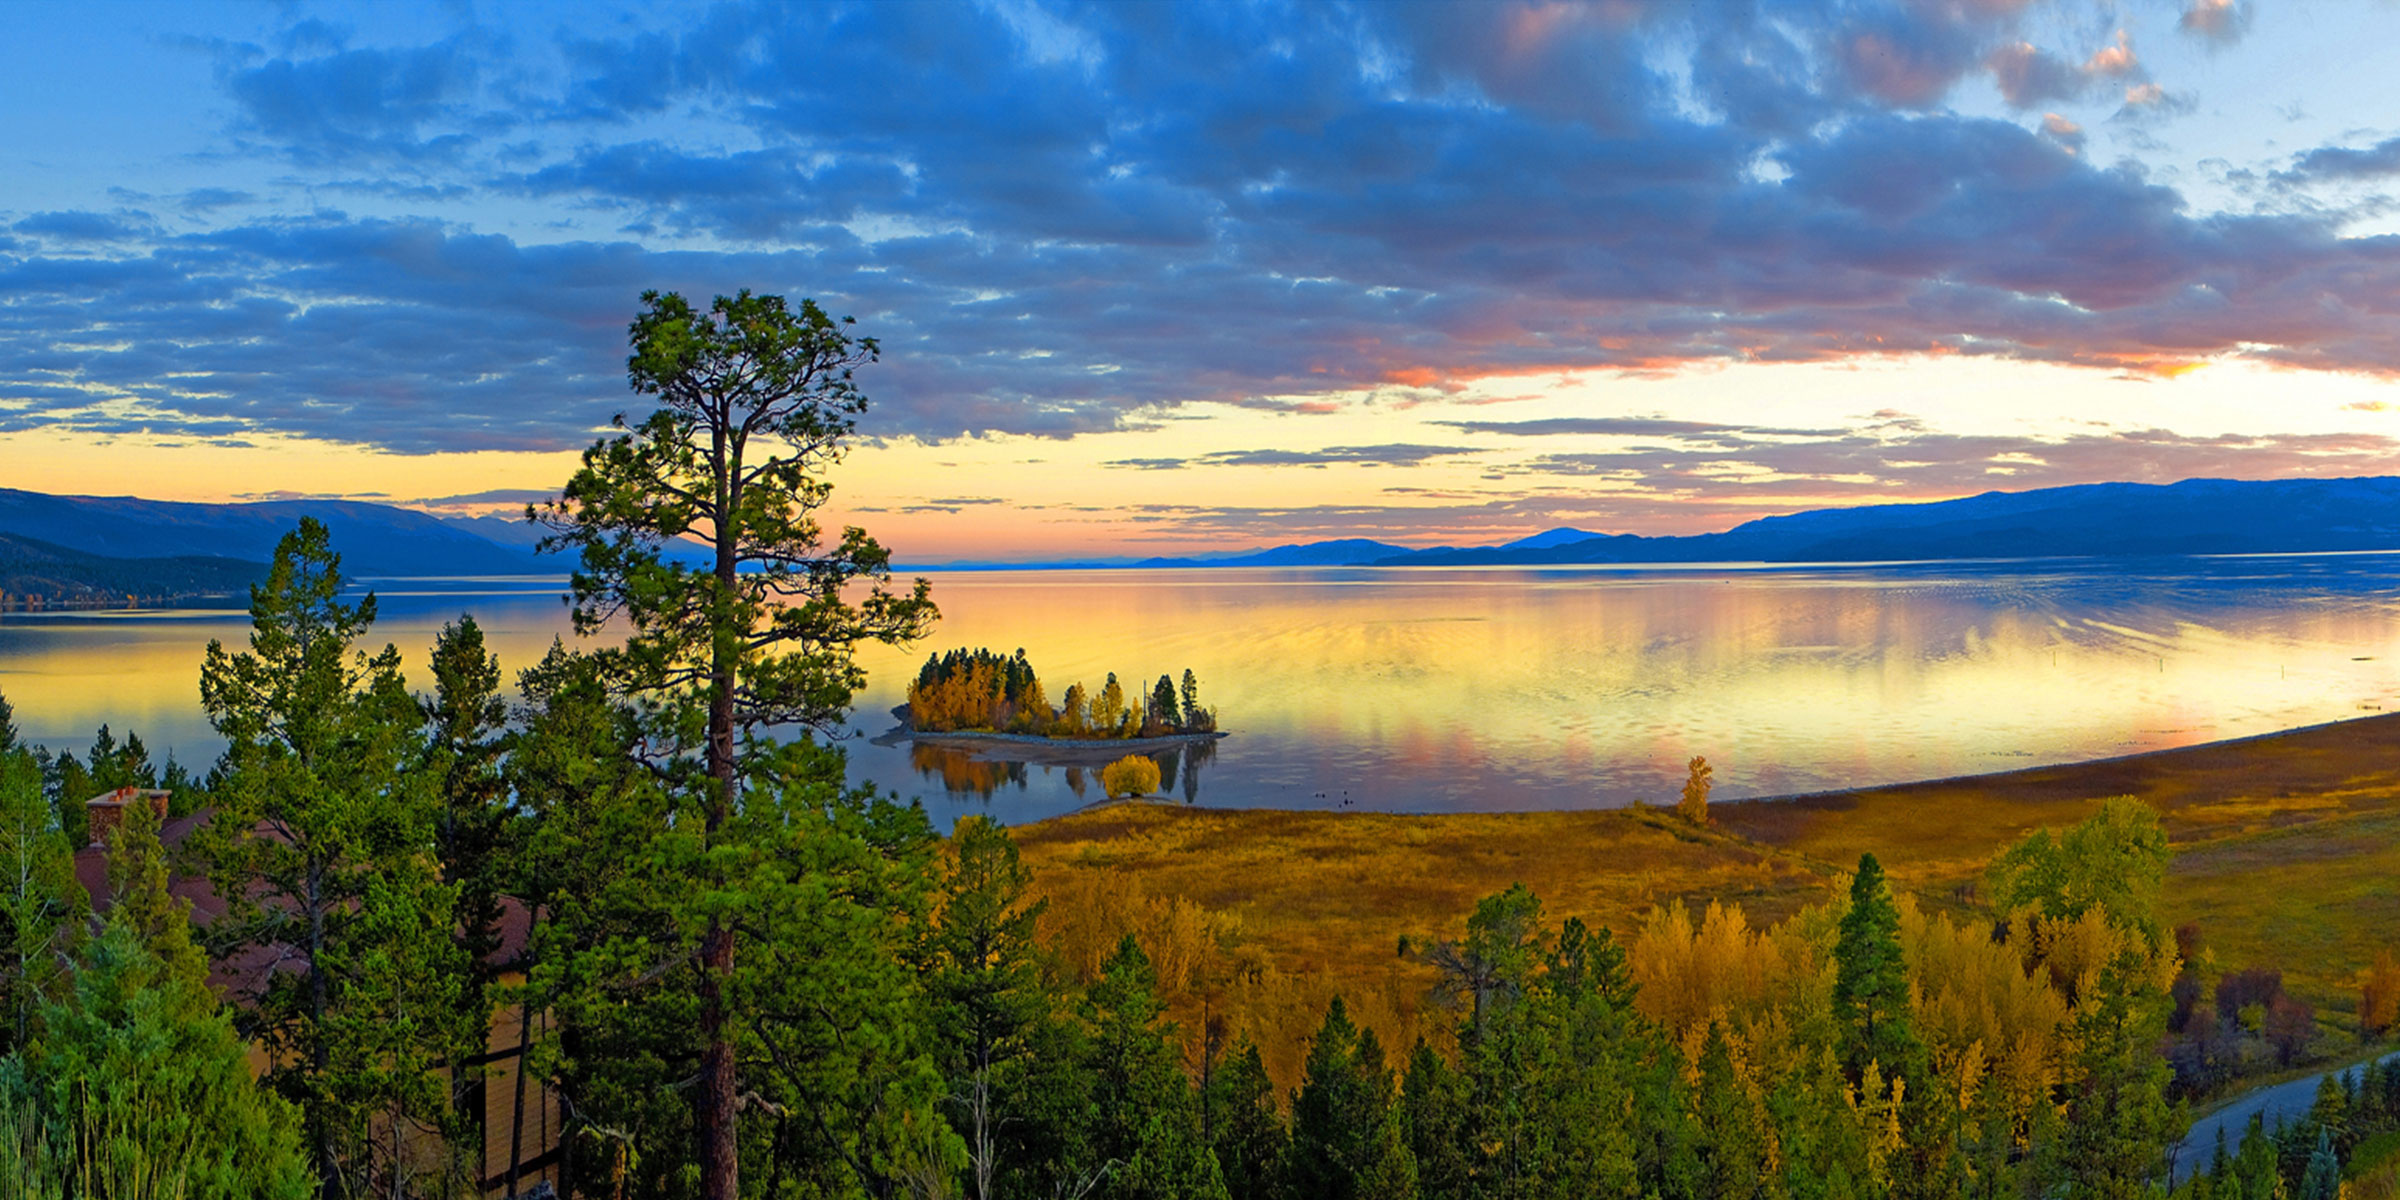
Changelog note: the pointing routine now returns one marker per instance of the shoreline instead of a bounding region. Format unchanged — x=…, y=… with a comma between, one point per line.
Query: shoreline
x=1036, y=749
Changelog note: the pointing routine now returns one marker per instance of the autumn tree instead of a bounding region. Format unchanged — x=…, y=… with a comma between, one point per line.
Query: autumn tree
x=1693, y=806
x=2379, y=999
x=756, y=401
x=1132, y=775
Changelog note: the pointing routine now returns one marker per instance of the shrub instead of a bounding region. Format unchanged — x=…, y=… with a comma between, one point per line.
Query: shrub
x=1132, y=775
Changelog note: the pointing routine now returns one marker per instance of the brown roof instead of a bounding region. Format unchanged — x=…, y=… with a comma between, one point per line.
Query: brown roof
x=245, y=973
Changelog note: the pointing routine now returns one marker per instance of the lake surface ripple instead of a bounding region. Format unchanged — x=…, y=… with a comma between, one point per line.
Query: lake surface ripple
x=1426, y=689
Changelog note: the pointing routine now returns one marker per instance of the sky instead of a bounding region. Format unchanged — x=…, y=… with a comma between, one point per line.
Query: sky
x=1159, y=279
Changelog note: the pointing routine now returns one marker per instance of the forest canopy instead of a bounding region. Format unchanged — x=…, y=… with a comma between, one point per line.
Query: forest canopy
x=983, y=691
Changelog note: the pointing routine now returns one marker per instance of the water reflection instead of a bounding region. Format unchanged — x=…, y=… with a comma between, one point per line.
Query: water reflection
x=970, y=773
x=1492, y=689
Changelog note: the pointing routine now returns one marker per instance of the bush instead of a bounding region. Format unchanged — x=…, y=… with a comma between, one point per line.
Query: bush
x=1132, y=775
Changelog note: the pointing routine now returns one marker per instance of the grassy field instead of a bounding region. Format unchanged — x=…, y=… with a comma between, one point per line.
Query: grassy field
x=2287, y=855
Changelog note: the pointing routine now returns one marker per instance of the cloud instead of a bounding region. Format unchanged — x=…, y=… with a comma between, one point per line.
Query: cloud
x=2028, y=77
x=341, y=104
x=2344, y=162
x=87, y=226
x=493, y=496
x=2220, y=21
x=1395, y=455
x=1067, y=219
x=2066, y=133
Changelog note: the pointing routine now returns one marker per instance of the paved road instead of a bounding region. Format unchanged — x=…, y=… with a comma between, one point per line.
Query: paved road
x=2281, y=1101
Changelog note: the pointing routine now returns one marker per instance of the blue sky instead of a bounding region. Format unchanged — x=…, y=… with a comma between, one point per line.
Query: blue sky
x=1182, y=276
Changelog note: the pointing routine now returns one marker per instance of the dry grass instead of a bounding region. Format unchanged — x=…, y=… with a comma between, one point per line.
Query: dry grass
x=2287, y=851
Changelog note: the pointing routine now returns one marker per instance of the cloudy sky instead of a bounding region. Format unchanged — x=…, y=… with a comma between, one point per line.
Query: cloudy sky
x=1159, y=278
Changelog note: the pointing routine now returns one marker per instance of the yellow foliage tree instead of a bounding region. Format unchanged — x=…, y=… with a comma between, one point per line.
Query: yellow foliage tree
x=1132, y=775
x=1693, y=807
x=2379, y=1001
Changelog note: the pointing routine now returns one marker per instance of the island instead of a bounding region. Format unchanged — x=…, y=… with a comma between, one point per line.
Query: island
x=984, y=696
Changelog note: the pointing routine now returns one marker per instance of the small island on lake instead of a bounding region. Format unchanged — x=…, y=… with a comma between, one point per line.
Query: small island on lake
x=984, y=695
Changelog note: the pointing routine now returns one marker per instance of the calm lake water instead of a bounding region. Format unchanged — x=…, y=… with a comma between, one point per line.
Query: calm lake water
x=1450, y=690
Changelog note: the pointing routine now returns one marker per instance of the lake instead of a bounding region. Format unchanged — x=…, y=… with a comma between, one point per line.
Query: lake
x=1428, y=689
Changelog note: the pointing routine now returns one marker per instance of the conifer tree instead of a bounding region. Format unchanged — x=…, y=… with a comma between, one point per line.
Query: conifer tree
x=1143, y=1134
x=465, y=717
x=1870, y=989
x=140, y=1071
x=42, y=907
x=2323, y=1179
x=1246, y=1126
x=1164, y=708
x=756, y=401
x=986, y=986
x=1339, y=1113
x=8, y=726
x=1189, y=698
x=2119, y=1123
x=1433, y=1111
x=322, y=844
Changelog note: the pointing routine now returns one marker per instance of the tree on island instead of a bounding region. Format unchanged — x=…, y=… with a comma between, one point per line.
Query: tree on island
x=756, y=401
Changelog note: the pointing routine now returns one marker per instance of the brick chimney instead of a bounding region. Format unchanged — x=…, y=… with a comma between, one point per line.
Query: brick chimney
x=106, y=811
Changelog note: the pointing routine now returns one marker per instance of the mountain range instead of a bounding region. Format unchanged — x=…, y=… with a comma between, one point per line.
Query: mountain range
x=2100, y=520
x=79, y=547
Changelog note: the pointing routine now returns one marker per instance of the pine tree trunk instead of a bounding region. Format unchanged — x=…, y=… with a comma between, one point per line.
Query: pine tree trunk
x=720, y=1164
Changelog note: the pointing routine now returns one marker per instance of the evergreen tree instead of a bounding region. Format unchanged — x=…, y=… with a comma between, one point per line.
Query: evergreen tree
x=8, y=725
x=42, y=907
x=68, y=785
x=1339, y=1112
x=141, y=1072
x=2119, y=1124
x=322, y=845
x=1733, y=1133
x=1189, y=698
x=1870, y=988
x=986, y=985
x=1246, y=1127
x=1144, y=1135
x=1433, y=1111
x=2323, y=1180
x=1164, y=707
x=593, y=814
x=756, y=400
x=465, y=717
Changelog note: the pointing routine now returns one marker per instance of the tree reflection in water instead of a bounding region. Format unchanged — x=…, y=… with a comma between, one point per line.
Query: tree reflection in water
x=962, y=773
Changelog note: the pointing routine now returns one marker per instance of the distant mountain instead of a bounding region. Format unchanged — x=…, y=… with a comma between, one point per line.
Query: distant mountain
x=2107, y=520
x=1554, y=537
x=372, y=539
x=59, y=574
x=515, y=531
x=1346, y=552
